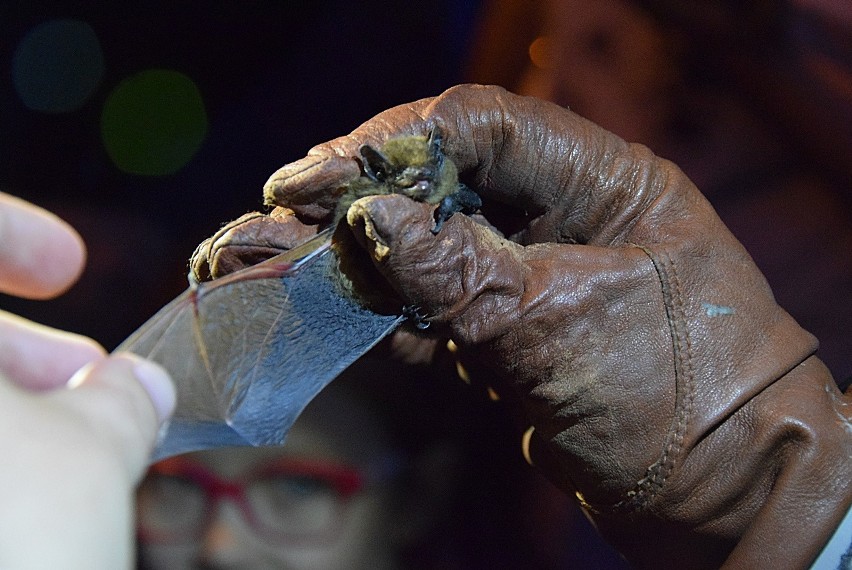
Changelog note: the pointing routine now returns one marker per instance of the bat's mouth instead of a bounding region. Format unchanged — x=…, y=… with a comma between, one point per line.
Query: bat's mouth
x=417, y=183
x=419, y=190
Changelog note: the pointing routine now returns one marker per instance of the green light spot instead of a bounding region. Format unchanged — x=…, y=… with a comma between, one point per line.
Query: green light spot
x=153, y=122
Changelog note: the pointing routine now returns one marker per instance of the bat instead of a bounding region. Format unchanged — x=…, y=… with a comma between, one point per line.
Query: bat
x=416, y=167
x=249, y=350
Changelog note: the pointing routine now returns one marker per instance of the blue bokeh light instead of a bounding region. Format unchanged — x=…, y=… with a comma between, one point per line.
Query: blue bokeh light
x=58, y=66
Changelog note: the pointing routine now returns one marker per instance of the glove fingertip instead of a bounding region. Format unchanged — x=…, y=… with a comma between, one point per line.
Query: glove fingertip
x=310, y=180
x=381, y=220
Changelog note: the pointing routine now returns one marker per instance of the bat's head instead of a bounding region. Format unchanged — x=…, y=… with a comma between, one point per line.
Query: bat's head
x=413, y=166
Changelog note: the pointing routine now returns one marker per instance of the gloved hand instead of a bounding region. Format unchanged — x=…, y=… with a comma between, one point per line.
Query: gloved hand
x=667, y=389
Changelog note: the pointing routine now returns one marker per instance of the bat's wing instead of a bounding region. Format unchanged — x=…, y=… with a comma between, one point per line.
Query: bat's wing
x=249, y=351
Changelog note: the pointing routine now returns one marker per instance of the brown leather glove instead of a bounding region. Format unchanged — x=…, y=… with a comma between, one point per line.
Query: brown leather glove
x=667, y=389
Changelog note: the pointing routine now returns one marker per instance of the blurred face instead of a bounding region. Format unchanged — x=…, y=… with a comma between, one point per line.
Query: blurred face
x=324, y=500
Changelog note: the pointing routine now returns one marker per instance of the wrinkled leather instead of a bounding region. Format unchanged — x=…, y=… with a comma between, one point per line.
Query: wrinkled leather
x=248, y=240
x=668, y=391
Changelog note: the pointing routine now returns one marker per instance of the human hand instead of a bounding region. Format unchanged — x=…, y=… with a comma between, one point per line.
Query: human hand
x=667, y=389
x=76, y=426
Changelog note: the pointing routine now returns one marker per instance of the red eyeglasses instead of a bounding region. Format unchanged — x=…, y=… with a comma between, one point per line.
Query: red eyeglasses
x=288, y=500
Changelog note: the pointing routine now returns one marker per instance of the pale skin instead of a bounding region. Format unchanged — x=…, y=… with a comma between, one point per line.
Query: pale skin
x=76, y=426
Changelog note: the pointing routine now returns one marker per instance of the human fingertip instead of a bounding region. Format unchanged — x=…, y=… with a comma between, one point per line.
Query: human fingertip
x=41, y=254
x=78, y=378
x=69, y=246
x=158, y=384
x=151, y=376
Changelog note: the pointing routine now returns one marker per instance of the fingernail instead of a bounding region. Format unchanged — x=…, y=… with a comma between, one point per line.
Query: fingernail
x=80, y=376
x=158, y=384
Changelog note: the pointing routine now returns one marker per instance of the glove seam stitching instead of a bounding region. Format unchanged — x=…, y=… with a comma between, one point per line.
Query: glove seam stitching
x=657, y=474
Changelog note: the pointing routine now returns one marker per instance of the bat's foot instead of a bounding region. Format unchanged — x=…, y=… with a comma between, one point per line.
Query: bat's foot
x=412, y=313
x=463, y=200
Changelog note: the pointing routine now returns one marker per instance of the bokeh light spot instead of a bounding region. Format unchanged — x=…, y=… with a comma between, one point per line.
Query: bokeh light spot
x=541, y=52
x=57, y=66
x=153, y=122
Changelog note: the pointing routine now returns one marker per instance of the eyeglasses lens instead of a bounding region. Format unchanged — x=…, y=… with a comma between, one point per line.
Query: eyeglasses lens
x=281, y=506
x=293, y=505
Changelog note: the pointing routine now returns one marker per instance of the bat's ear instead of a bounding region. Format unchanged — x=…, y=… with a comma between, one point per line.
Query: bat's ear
x=436, y=139
x=376, y=165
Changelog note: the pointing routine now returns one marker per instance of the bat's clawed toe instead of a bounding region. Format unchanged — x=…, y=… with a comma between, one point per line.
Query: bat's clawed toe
x=415, y=317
